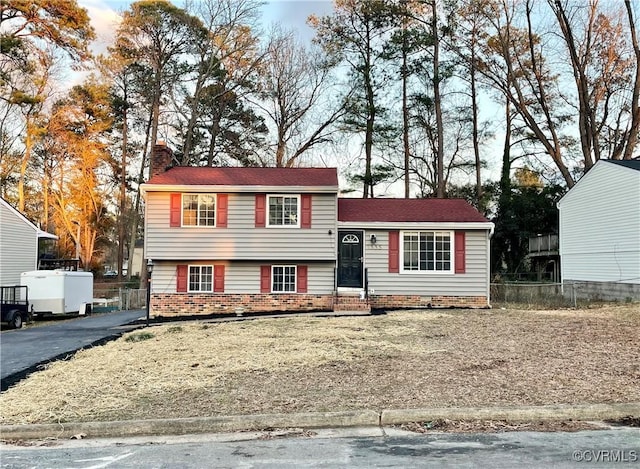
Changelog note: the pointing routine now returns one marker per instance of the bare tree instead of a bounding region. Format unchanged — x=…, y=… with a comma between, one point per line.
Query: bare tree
x=228, y=54
x=596, y=45
x=293, y=95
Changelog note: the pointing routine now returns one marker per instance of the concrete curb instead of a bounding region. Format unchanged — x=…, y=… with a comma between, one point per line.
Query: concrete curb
x=365, y=418
x=514, y=414
x=184, y=426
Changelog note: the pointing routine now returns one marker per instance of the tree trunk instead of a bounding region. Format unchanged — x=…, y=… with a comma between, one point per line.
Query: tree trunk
x=634, y=130
x=474, y=111
x=214, y=130
x=123, y=194
x=135, y=216
x=155, y=119
x=371, y=114
x=505, y=170
x=28, y=145
x=405, y=109
x=193, y=119
x=440, y=191
x=585, y=114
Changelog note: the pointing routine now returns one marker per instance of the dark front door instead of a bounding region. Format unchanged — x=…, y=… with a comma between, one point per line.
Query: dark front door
x=350, y=259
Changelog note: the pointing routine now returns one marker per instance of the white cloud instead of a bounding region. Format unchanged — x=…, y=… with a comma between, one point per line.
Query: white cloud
x=105, y=17
x=293, y=14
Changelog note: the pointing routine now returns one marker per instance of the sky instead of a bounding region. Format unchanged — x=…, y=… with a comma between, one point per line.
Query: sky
x=290, y=13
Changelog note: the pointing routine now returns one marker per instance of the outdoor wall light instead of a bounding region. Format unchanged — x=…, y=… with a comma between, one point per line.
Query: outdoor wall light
x=373, y=239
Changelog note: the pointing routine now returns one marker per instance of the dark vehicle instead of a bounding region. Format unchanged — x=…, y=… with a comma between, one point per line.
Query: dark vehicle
x=14, y=305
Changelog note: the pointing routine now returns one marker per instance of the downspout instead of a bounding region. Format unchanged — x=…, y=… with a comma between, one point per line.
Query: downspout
x=489, y=236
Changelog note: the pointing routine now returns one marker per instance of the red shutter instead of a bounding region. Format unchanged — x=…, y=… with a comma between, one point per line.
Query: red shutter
x=261, y=203
x=175, y=209
x=181, y=278
x=394, y=251
x=218, y=278
x=305, y=218
x=221, y=210
x=265, y=279
x=302, y=278
x=460, y=267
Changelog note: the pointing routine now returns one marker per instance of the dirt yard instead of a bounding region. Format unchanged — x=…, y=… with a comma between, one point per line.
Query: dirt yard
x=411, y=359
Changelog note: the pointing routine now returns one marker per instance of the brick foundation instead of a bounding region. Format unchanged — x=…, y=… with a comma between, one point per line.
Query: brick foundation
x=419, y=301
x=183, y=304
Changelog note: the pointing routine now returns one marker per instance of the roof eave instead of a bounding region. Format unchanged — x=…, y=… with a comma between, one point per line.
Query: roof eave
x=402, y=225
x=45, y=235
x=237, y=188
x=39, y=233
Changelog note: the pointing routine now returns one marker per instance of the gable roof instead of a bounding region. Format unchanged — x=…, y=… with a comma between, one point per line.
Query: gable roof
x=628, y=170
x=633, y=164
x=26, y=221
x=222, y=176
x=408, y=210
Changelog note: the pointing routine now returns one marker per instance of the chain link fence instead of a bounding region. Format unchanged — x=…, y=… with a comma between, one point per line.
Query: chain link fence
x=531, y=294
x=558, y=295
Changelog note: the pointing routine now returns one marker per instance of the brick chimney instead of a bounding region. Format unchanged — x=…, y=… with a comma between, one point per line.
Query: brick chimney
x=161, y=159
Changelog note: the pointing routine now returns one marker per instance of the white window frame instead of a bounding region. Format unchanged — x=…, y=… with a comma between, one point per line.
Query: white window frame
x=426, y=271
x=199, y=267
x=298, y=209
x=198, y=225
x=295, y=278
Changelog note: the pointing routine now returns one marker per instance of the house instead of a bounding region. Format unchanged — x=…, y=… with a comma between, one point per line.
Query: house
x=225, y=240
x=19, y=241
x=599, y=241
x=137, y=260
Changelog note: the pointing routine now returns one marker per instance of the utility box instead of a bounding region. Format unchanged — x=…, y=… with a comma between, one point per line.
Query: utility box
x=59, y=291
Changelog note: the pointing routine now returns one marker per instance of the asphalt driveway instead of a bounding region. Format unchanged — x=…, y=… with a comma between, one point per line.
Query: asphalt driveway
x=22, y=351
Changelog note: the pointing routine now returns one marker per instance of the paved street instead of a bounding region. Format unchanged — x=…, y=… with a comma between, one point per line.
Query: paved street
x=22, y=350
x=604, y=448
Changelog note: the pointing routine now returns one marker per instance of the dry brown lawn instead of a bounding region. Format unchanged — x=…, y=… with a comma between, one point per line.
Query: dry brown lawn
x=411, y=359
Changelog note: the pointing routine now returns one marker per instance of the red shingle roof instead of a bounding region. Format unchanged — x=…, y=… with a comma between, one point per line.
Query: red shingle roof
x=407, y=210
x=205, y=176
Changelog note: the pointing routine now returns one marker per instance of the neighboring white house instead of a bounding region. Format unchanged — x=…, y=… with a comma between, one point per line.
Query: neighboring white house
x=136, y=265
x=18, y=244
x=600, y=231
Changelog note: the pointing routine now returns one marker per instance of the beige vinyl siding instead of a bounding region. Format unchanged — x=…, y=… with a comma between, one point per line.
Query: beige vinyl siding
x=18, y=246
x=244, y=277
x=600, y=226
x=472, y=283
x=241, y=240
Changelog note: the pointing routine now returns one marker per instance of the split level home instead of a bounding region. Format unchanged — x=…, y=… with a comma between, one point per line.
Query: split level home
x=235, y=240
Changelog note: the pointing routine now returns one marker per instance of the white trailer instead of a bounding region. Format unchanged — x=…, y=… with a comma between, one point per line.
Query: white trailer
x=59, y=291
